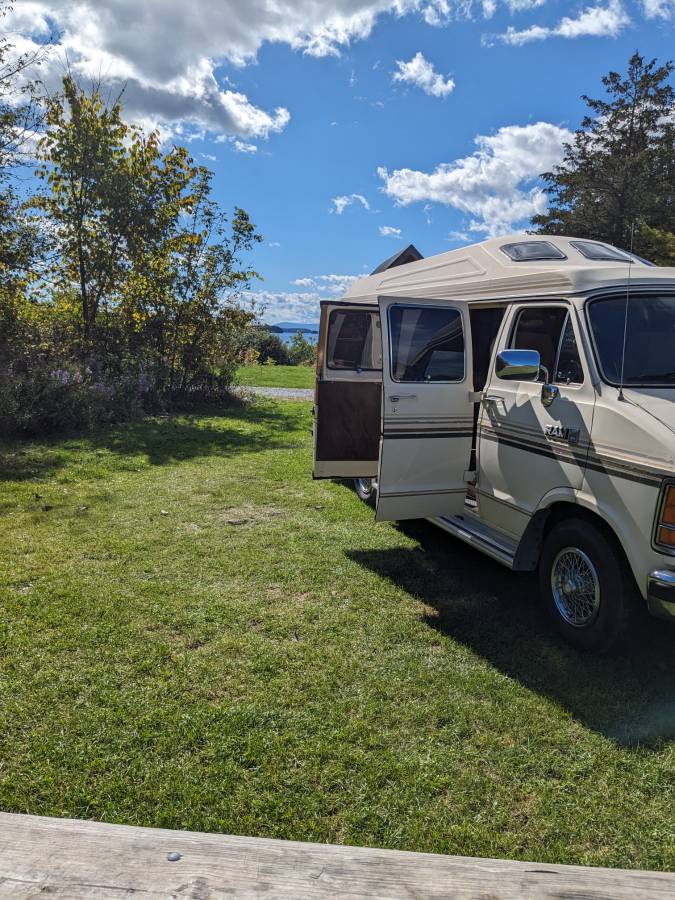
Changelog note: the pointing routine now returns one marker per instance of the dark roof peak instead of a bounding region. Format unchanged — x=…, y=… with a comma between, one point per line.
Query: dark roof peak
x=401, y=258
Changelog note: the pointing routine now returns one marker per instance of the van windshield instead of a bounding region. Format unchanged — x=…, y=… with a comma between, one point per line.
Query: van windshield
x=650, y=339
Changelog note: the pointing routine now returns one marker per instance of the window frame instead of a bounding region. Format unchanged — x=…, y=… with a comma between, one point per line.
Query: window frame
x=425, y=306
x=375, y=314
x=561, y=304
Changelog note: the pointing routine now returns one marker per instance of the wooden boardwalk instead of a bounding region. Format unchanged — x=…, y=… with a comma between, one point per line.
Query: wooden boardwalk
x=66, y=858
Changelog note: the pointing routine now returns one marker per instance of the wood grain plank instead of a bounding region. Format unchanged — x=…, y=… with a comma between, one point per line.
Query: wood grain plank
x=76, y=859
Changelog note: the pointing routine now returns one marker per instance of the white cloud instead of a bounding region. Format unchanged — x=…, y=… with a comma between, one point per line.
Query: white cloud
x=496, y=184
x=156, y=51
x=167, y=52
x=274, y=244
x=209, y=156
x=659, y=9
x=340, y=204
x=516, y=6
x=594, y=21
x=243, y=147
x=390, y=231
x=331, y=284
x=420, y=72
x=281, y=306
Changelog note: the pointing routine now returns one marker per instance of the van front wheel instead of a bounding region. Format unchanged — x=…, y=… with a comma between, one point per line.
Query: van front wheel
x=585, y=586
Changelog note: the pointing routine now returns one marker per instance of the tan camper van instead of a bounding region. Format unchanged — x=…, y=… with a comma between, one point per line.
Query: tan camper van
x=520, y=394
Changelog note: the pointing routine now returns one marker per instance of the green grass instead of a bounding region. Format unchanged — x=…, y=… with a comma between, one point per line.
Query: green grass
x=194, y=634
x=276, y=376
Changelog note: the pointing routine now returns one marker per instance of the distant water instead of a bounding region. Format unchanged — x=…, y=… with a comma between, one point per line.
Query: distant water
x=287, y=336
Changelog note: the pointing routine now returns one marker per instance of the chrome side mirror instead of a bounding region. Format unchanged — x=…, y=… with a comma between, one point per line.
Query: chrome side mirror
x=518, y=365
x=549, y=392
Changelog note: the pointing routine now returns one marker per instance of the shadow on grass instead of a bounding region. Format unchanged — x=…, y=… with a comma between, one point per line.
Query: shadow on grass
x=248, y=429
x=630, y=698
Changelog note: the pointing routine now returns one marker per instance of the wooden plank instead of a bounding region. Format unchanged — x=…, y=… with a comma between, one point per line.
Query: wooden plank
x=76, y=859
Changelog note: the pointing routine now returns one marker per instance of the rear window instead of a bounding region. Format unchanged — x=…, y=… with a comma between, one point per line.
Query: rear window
x=529, y=251
x=606, y=252
x=354, y=340
x=427, y=344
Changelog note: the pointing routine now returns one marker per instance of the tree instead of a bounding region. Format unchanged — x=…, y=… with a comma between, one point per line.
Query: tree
x=301, y=352
x=155, y=263
x=619, y=171
x=84, y=154
x=21, y=241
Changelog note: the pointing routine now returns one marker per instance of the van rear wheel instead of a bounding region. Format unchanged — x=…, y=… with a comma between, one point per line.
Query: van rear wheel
x=366, y=490
x=585, y=585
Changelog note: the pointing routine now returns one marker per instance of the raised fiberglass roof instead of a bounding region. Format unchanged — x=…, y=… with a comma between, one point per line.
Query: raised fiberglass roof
x=486, y=271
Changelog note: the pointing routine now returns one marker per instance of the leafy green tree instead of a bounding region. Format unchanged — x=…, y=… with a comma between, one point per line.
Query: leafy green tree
x=657, y=246
x=155, y=263
x=620, y=167
x=21, y=240
x=301, y=352
x=268, y=345
x=85, y=165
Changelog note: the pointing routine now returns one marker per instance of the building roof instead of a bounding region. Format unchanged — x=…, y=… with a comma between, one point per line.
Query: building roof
x=485, y=272
x=400, y=258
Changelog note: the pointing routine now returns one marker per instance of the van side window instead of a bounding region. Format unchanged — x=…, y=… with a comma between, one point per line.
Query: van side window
x=549, y=331
x=354, y=340
x=427, y=344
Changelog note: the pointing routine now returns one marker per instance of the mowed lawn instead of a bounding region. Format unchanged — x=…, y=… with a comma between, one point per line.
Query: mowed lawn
x=194, y=634
x=276, y=376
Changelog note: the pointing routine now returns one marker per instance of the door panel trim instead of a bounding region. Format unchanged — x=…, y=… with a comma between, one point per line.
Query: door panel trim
x=338, y=468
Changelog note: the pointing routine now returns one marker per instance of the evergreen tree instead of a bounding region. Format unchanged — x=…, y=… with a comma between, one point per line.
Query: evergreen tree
x=620, y=168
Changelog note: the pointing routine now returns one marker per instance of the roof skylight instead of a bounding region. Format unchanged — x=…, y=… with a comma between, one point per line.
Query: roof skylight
x=592, y=250
x=532, y=251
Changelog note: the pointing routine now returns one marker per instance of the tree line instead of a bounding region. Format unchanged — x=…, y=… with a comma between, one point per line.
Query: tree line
x=121, y=278
x=617, y=179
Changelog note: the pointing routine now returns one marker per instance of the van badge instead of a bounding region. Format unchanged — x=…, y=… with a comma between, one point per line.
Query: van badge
x=560, y=433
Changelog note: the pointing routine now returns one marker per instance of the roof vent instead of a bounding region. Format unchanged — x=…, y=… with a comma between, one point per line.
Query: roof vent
x=410, y=254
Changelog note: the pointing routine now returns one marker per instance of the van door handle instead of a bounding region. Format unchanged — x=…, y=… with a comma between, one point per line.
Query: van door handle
x=395, y=398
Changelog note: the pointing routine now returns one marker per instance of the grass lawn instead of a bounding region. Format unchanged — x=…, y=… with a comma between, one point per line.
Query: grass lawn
x=193, y=634
x=276, y=376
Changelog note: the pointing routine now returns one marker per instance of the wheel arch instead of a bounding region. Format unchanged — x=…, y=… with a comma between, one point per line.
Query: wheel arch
x=557, y=508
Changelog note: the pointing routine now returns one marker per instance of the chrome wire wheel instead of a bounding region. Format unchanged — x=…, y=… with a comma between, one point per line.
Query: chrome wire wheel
x=576, y=587
x=365, y=487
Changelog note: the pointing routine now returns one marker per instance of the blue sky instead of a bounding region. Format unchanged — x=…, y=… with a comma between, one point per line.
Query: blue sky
x=352, y=128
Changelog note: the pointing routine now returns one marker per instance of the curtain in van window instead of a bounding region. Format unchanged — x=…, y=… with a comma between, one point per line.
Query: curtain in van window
x=427, y=344
x=354, y=340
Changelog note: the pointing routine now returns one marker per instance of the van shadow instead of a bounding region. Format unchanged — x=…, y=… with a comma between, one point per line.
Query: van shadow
x=629, y=698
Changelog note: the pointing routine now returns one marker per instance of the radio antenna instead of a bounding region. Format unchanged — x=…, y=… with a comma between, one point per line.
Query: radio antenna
x=625, y=318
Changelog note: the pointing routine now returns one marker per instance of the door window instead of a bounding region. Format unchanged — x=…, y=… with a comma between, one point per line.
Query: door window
x=354, y=340
x=427, y=344
x=549, y=331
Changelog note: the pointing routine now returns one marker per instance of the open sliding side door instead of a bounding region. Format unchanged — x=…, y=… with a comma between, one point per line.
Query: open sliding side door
x=427, y=417
x=348, y=394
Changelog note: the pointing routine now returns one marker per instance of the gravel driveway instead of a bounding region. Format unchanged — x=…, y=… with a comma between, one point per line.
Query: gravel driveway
x=281, y=393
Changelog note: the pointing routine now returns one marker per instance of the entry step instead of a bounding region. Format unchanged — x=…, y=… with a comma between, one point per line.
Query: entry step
x=472, y=531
